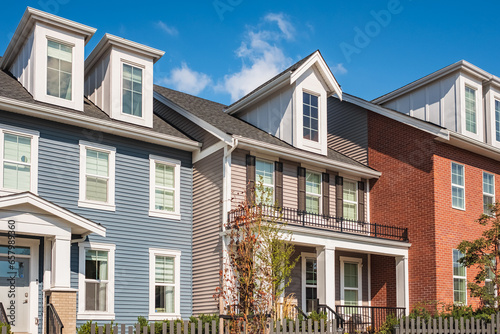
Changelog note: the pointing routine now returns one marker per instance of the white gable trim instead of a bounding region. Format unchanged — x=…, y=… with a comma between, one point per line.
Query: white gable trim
x=38, y=202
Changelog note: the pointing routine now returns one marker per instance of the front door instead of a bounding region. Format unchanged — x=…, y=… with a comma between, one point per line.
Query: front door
x=14, y=287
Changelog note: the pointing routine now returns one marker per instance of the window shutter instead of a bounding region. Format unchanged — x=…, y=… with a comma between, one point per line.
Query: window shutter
x=326, y=194
x=278, y=180
x=339, y=194
x=361, y=201
x=250, y=179
x=301, y=173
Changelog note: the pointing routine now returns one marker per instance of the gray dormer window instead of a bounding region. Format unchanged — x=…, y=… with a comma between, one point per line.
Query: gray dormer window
x=310, y=117
x=132, y=90
x=59, y=70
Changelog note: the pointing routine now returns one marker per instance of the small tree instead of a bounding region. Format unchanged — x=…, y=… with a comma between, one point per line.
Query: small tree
x=484, y=254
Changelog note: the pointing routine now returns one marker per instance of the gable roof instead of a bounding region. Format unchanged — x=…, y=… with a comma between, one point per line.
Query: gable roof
x=213, y=114
x=286, y=78
x=11, y=91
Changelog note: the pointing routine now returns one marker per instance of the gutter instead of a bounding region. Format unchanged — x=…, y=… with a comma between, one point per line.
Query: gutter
x=324, y=162
x=84, y=121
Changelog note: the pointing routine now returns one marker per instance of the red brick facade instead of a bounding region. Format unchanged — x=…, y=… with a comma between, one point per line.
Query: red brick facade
x=415, y=191
x=383, y=281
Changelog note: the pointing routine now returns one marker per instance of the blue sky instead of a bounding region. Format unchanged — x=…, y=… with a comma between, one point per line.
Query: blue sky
x=221, y=49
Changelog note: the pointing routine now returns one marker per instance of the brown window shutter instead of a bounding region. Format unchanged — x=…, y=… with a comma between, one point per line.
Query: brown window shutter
x=278, y=187
x=326, y=194
x=301, y=173
x=250, y=179
x=361, y=201
x=339, y=195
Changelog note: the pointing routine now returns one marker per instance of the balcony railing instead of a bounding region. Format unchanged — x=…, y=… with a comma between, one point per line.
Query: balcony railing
x=295, y=217
x=366, y=319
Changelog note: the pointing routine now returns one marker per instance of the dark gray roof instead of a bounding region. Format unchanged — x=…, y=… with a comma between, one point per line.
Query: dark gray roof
x=11, y=88
x=290, y=69
x=213, y=113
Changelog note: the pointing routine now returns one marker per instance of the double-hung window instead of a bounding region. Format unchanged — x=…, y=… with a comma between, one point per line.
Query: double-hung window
x=350, y=190
x=459, y=279
x=264, y=171
x=497, y=120
x=488, y=192
x=457, y=186
x=96, y=282
x=470, y=110
x=164, y=187
x=164, y=295
x=59, y=70
x=310, y=285
x=489, y=282
x=313, y=192
x=19, y=155
x=310, y=117
x=97, y=176
x=132, y=90
x=350, y=282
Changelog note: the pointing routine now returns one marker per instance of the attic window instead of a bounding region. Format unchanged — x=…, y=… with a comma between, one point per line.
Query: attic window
x=132, y=90
x=59, y=70
x=310, y=116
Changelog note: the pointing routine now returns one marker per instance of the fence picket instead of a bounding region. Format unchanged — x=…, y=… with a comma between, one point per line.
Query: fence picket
x=115, y=329
x=456, y=329
x=4, y=330
x=434, y=326
x=130, y=330
x=462, y=328
x=122, y=330
x=207, y=327
x=100, y=329
x=424, y=327
x=309, y=325
x=498, y=323
x=296, y=326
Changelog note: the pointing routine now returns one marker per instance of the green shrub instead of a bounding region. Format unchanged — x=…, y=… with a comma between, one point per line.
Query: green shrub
x=86, y=327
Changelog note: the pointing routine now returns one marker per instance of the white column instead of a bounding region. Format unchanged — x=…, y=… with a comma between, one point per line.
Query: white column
x=61, y=262
x=326, y=275
x=402, y=288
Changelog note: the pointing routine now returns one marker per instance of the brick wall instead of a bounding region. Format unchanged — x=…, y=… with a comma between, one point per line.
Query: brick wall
x=65, y=304
x=383, y=281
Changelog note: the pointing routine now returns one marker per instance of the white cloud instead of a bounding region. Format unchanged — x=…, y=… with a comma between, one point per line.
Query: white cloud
x=285, y=26
x=172, y=31
x=187, y=80
x=261, y=55
x=338, y=69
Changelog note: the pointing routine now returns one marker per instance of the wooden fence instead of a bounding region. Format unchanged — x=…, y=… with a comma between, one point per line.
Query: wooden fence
x=449, y=326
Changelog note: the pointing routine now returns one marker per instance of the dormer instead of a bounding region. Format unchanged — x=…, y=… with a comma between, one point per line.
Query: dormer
x=46, y=55
x=293, y=105
x=119, y=79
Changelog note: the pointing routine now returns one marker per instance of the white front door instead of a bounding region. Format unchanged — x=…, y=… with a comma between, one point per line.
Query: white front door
x=15, y=288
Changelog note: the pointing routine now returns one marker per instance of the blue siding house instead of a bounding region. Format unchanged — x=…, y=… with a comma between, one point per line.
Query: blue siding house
x=95, y=188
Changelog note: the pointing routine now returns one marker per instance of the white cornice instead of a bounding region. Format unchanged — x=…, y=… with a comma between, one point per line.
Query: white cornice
x=108, y=41
x=30, y=17
x=461, y=65
x=472, y=145
x=306, y=157
x=397, y=116
x=106, y=126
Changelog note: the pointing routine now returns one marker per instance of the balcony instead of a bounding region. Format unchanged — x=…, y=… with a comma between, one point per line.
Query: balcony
x=295, y=217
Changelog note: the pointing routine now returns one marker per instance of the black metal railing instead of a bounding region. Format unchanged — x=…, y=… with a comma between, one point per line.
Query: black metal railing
x=3, y=314
x=298, y=311
x=313, y=220
x=54, y=323
x=331, y=315
x=359, y=319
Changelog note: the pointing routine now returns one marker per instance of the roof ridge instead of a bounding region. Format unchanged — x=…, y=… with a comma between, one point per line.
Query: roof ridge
x=196, y=97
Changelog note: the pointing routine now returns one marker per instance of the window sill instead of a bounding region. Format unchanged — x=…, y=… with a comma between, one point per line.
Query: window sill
x=95, y=316
x=164, y=316
x=461, y=209
x=164, y=214
x=97, y=205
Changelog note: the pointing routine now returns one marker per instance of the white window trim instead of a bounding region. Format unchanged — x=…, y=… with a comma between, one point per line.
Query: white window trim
x=257, y=180
x=83, y=202
x=310, y=141
x=95, y=315
x=359, y=262
x=488, y=194
x=34, y=135
x=176, y=214
x=143, y=68
x=458, y=186
x=72, y=46
x=304, y=256
x=476, y=111
x=176, y=254
x=459, y=277
x=356, y=196
x=320, y=195
x=496, y=99
x=469, y=82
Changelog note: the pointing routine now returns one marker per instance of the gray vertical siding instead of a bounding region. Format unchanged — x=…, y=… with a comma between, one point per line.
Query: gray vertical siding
x=130, y=228
x=295, y=286
x=290, y=185
x=207, y=220
x=348, y=129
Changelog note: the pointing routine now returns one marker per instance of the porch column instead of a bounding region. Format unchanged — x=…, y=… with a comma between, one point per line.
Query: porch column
x=326, y=275
x=402, y=289
x=61, y=266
